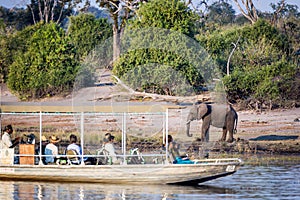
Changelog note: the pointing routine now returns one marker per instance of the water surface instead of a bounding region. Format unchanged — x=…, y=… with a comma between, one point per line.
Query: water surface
x=250, y=182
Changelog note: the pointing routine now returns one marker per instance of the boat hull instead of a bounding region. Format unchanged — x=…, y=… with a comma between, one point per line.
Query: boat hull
x=121, y=174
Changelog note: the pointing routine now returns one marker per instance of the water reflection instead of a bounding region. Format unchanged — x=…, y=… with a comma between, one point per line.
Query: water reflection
x=40, y=190
x=250, y=182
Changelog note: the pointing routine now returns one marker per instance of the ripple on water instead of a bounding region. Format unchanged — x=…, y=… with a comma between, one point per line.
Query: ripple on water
x=250, y=182
x=264, y=182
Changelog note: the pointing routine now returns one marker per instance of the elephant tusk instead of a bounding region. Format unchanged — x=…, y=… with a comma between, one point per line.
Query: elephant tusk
x=188, y=122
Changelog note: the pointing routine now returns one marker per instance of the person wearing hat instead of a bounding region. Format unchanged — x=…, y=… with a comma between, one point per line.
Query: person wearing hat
x=44, y=142
x=51, y=150
x=6, y=141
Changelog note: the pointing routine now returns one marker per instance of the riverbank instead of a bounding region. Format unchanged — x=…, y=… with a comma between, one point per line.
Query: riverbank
x=269, y=132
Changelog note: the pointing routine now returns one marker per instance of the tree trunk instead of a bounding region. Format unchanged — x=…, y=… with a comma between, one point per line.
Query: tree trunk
x=116, y=42
x=249, y=11
x=231, y=53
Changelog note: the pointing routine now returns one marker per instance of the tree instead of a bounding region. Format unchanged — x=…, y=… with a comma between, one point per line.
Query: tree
x=248, y=9
x=120, y=11
x=259, y=44
x=51, y=10
x=47, y=68
x=86, y=32
x=261, y=68
x=15, y=18
x=277, y=10
x=87, y=35
x=3, y=52
x=287, y=19
x=12, y=44
x=173, y=15
x=220, y=12
x=157, y=47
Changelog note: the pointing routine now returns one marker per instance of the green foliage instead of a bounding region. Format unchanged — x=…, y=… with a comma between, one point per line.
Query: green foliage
x=51, y=11
x=16, y=18
x=262, y=29
x=261, y=66
x=48, y=67
x=169, y=14
x=157, y=71
x=13, y=44
x=221, y=13
x=157, y=37
x=257, y=53
x=4, y=52
x=270, y=82
x=260, y=44
x=86, y=32
x=89, y=36
x=21, y=40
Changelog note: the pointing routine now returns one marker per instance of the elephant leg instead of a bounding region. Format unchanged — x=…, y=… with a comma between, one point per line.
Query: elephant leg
x=230, y=139
x=223, y=138
x=230, y=126
x=230, y=129
x=205, y=130
x=205, y=135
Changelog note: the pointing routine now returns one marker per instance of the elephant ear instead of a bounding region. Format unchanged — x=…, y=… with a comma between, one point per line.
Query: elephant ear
x=202, y=110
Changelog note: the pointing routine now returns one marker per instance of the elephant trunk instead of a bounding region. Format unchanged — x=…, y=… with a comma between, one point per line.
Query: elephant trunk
x=188, y=124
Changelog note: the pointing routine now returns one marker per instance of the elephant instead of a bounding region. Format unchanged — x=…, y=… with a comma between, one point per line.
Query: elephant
x=218, y=115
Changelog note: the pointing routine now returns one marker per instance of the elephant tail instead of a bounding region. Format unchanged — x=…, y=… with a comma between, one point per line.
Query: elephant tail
x=235, y=125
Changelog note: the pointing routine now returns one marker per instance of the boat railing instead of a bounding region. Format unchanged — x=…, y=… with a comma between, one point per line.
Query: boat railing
x=158, y=158
x=154, y=159
x=85, y=123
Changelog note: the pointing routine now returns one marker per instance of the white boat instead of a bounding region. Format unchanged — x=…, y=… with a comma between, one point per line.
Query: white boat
x=163, y=172
x=204, y=170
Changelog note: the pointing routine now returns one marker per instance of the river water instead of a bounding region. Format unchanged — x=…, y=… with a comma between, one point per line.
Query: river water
x=250, y=182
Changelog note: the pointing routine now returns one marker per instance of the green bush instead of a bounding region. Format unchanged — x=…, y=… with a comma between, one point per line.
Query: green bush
x=47, y=68
x=13, y=44
x=259, y=45
x=267, y=83
x=86, y=32
x=157, y=71
x=158, y=49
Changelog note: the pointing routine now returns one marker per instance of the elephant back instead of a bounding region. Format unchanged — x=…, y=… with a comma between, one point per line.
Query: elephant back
x=218, y=114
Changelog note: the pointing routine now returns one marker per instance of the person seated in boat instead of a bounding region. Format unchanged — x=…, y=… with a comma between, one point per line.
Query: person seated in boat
x=6, y=140
x=173, y=150
x=109, y=147
x=51, y=150
x=75, y=148
x=73, y=145
x=44, y=141
x=106, y=138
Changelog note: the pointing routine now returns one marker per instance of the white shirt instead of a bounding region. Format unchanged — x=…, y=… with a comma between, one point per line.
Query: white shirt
x=111, y=151
x=75, y=147
x=6, y=141
x=53, y=148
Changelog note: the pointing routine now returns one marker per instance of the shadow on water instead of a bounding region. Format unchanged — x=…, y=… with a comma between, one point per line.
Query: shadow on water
x=44, y=190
